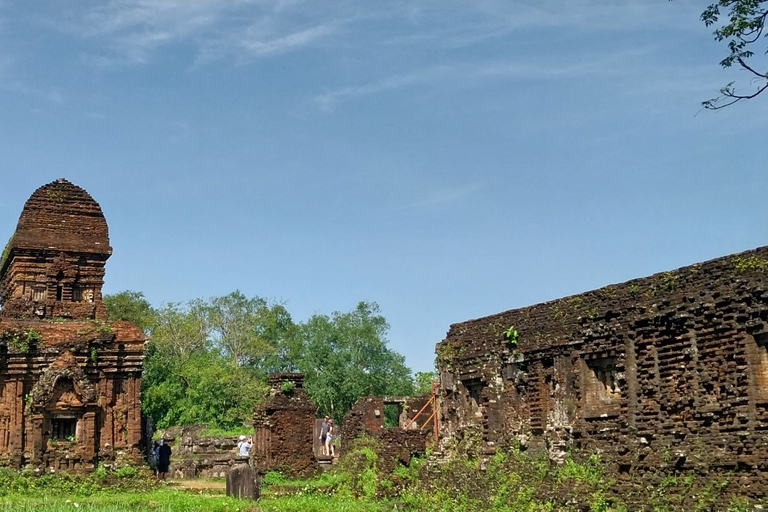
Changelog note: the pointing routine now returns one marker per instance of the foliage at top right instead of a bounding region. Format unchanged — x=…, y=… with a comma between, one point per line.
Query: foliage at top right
x=743, y=30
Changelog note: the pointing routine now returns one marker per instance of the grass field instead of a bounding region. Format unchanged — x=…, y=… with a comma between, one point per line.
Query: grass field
x=176, y=495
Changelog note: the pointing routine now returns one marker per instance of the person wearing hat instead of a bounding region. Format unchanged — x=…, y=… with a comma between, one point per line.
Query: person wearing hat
x=244, y=447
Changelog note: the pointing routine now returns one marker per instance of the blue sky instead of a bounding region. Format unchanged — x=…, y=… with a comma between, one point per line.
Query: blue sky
x=446, y=159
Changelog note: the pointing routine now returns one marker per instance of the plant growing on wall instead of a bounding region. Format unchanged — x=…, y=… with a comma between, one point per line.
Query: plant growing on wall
x=6, y=250
x=511, y=336
x=287, y=387
x=20, y=340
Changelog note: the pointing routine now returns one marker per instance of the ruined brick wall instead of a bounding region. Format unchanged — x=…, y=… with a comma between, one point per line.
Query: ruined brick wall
x=659, y=375
x=395, y=445
x=69, y=379
x=398, y=446
x=196, y=456
x=416, y=413
x=365, y=417
x=284, y=427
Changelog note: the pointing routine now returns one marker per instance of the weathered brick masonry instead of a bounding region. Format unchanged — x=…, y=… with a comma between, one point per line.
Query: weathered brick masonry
x=659, y=375
x=284, y=427
x=396, y=444
x=69, y=379
x=197, y=456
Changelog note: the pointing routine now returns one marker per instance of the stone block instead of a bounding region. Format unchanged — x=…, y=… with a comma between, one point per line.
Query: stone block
x=243, y=482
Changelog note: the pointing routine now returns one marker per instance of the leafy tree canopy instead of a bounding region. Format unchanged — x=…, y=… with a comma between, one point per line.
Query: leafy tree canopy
x=345, y=356
x=131, y=306
x=207, y=360
x=423, y=382
x=741, y=23
x=247, y=330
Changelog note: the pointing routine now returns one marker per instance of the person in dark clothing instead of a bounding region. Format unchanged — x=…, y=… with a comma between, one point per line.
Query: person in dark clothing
x=163, y=459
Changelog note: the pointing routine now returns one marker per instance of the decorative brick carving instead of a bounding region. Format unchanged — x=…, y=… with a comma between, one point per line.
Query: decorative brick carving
x=663, y=374
x=69, y=379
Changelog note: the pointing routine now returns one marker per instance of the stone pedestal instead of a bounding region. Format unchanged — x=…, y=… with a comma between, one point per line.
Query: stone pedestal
x=243, y=482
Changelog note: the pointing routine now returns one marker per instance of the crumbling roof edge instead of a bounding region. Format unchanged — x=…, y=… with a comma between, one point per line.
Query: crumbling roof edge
x=742, y=254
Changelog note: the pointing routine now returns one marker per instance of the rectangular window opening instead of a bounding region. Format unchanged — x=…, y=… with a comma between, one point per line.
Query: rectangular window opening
x=475, y=391
x=392, y=415
x=63, y=429
x=602, y=392
x=39, y=292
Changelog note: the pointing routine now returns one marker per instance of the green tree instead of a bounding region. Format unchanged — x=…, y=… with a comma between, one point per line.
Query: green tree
x=177, y=336
x=131, y=306
x=247, y=330
x=205, y=359
x=743, y=30
x=345, y=357
x=423, y=382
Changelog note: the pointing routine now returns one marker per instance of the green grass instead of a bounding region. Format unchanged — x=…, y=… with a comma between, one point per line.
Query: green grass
x=172, y=500
x=320, y=503
x=130, y=488
x=161, y=500
x=325, y=479
x=509, y=481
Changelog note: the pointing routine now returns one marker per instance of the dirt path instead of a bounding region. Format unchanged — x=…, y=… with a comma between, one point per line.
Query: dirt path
x=198, y=484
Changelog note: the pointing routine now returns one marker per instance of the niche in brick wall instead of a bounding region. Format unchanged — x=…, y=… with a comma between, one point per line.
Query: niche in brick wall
x=602, y=394
x=758, y=355
x=474, y=391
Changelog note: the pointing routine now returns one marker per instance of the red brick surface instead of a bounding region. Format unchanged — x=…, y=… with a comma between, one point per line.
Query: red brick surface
x=61, y=361
x=660, y=375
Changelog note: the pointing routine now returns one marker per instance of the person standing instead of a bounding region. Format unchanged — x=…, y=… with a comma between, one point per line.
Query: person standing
x=163, y=459
x=329, y=451
x=244, y=447
x=324, y=435
x=153, y=457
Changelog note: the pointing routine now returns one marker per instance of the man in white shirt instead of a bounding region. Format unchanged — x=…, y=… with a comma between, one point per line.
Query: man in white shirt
x=244, y=447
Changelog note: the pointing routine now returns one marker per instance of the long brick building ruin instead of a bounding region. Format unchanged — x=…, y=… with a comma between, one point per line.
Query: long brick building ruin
x=660, y=375
x=69, y=379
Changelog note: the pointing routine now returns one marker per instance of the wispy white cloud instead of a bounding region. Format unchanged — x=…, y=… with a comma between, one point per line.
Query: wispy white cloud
x=329, y=99
x=14, y=85
x=50, y=94
x=133, y=30
x=255, y=42
x=453, y=24
x=463, y=74
x=126, y=32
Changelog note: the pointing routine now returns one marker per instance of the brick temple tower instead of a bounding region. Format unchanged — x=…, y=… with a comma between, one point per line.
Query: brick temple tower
x=69, y=379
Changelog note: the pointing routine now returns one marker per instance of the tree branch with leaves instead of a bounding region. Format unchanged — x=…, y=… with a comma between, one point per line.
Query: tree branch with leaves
x=743, y=30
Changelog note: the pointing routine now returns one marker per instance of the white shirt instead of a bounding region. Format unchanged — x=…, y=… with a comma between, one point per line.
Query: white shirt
x=244, y=448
